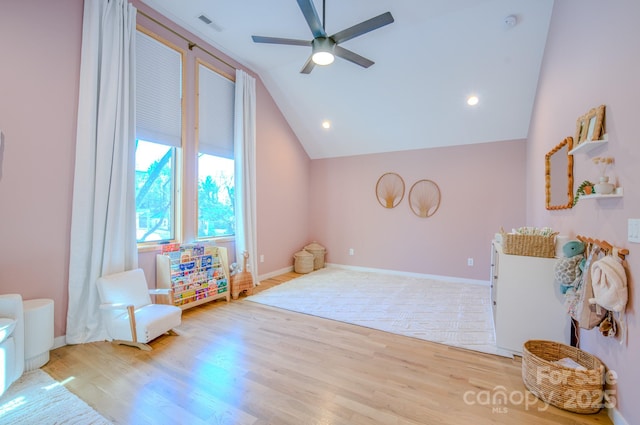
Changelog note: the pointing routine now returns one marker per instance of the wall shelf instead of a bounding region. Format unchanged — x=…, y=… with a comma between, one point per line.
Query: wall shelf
x=588, y=146
x=616, y=194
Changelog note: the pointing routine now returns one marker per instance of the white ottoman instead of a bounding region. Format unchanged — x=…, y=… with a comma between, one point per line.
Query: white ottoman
x=38, y=332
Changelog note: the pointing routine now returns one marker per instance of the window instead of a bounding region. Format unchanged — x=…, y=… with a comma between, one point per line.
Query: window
x=216, y=194
x=155, y=191
x=158, y=138
x=175, y=143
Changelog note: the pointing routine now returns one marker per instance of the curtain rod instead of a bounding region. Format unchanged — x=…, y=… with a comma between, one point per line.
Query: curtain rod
x=191, y=44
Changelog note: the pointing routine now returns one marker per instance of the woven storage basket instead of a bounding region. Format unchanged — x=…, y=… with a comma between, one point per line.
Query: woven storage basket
x=303, y=262
x=318, y=252
x=579, y=391
x=530, y=245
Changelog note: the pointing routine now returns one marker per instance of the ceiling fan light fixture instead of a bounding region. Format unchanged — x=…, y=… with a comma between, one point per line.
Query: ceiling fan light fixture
x=324, y=48
x=322, y=51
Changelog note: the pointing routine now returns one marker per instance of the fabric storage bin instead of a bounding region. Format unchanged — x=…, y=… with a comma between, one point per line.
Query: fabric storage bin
x=568, y=388
x=303, y=262
x=318, y=252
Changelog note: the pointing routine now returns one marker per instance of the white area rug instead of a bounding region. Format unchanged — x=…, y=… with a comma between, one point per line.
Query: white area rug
x=36, y=398
x=452, y=313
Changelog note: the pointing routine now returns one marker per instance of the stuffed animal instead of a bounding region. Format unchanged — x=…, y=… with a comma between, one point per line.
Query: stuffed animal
x=568, y=270
x=573, y=248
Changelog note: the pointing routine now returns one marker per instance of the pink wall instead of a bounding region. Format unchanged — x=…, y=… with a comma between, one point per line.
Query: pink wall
x=40, y=65
x=282, y=190
x=591, y=59
x=482, y=189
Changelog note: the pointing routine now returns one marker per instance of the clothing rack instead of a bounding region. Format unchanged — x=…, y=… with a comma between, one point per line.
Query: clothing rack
x=605, y=246
x=608, y=249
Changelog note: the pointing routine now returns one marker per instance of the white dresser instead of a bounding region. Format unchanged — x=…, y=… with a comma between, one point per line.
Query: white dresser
x=527, y=304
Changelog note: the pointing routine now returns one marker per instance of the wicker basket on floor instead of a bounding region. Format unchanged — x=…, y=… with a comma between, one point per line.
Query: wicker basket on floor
x=579, y=391
x=303, y=262
x=318, y=252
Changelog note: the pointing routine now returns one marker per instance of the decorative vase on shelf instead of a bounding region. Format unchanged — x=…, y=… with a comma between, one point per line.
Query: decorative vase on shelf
x=603, y=187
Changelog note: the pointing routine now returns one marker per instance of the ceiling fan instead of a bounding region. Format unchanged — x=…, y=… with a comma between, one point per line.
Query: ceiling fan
x=323, y=46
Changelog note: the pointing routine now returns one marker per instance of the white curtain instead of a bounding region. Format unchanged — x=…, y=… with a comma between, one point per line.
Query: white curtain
x=245, y=170
x=103, y=229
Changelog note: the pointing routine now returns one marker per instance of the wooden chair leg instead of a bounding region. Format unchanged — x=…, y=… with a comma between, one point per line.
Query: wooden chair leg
x=141, y=345
x=134, y=334
x=132, y=322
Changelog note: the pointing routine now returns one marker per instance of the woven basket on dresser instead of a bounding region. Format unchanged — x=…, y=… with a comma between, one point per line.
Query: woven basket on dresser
x=529, y=245
x=579, y=391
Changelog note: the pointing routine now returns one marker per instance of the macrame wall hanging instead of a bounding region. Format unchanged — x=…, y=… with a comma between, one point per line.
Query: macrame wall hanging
x=424, y=198
x=424, y=195
x=390, y=190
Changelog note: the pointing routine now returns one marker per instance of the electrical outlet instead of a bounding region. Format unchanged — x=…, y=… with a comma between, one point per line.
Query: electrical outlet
x=262, y=258
x=469, y=261
x=351, y=251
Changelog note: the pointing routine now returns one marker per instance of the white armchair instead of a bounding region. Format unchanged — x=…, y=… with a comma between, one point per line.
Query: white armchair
x=131, y=318
x=11, y=340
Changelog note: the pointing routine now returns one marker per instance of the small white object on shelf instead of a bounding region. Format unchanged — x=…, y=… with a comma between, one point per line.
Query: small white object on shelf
x=617, y=193
x=589, y=145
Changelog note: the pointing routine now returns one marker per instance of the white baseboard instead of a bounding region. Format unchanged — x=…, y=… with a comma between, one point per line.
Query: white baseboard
x=59, y=341
x=616, y=417
x=274, y=273
x=411, y=274
x=370, y=269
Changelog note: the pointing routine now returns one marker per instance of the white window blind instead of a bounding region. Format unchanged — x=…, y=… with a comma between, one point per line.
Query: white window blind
x=215, y=117
x=158, y=92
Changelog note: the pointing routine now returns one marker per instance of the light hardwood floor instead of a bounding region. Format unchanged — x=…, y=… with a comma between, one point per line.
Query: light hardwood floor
x=245, y=363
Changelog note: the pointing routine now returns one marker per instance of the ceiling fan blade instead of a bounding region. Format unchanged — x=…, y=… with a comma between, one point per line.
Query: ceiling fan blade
x=352, y=57
x=277, y=40
x=310, y=14
x=363, y=27
x=308, y=66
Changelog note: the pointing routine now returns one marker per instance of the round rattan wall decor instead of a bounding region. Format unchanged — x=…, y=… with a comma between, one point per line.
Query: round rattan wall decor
x=390, y=190
x=424, y=198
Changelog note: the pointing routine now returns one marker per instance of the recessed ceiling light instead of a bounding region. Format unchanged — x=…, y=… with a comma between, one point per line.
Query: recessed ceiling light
x=472, y=100
x=326, y=124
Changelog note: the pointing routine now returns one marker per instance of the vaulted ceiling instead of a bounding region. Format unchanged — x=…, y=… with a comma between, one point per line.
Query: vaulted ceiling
x=427, y=62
